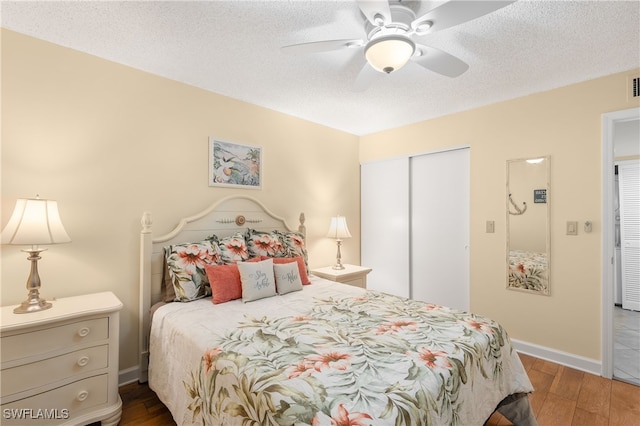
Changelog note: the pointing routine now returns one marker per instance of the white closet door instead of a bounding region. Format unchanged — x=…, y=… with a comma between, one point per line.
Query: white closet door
x=384, y=189
x=440, y=228
x=629, y=180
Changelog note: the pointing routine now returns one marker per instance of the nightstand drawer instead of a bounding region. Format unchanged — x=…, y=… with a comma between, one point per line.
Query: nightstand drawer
x=47, y=340
x=350, y=274
x=35, y=374
x=59, y=405
x=359, y=282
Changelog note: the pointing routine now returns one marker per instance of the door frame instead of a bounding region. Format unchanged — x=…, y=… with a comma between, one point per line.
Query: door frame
x=609, y=120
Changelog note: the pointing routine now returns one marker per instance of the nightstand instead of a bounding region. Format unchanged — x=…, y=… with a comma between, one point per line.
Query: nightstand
x=351, y=274
x=60, y=366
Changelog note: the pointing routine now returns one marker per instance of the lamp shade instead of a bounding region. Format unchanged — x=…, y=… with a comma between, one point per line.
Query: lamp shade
x=338, y=228
x=34, y=222
x=389, y=53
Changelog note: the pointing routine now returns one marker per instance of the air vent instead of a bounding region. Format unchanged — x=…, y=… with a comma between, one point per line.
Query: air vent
x=633, y=89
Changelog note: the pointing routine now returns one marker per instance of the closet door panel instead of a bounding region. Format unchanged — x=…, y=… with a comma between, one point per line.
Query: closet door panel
x=440, y=228
x=385, y=224
x=629, y=180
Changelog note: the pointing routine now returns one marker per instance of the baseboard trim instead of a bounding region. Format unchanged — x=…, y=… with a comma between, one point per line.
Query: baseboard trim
x=578, y=362
x=127, y=376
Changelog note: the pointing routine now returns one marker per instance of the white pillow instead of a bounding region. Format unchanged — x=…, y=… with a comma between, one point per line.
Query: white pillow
x=257, y=280
x=287, y=277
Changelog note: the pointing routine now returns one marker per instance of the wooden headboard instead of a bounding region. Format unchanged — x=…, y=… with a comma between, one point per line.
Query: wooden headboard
x=224, y=218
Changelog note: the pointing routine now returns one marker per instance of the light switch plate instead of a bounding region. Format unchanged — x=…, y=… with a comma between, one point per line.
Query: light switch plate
x=491, y=227
x=572, y=228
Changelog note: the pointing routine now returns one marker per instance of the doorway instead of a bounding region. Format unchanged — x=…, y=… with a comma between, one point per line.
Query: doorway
x=611, y=125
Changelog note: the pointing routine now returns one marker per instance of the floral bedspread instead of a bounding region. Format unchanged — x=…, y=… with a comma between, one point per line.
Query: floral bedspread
x=330, y=358
x=528, y=271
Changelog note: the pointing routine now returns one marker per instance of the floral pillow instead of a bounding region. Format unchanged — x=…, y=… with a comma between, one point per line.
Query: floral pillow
x=186, y=268
x=233, y=249
x=264, y=244
x=293, y=243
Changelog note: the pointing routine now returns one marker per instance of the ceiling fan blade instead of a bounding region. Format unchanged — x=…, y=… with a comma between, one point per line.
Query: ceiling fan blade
x=371, y=8
x=456, y=12
x=438, y=61
x=366, y=77
x=321, y=46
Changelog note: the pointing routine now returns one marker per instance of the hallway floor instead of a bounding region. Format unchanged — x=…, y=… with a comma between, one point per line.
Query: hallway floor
x=626, y=347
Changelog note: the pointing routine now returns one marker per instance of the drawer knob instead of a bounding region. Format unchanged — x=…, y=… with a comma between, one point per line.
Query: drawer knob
x=84, y=332
x=83, y=361
x=82, y=395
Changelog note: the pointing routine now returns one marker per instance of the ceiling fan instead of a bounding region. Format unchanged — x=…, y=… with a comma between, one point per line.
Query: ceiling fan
x=392, y=26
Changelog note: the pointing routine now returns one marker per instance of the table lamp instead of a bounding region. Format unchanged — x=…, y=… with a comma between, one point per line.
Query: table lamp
x=338, y=230
x=34, y=221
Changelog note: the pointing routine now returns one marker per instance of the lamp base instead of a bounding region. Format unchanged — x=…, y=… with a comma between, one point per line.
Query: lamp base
x=338, y=264
x=32, y=305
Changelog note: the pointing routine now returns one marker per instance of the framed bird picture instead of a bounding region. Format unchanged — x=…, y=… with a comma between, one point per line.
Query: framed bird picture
x=234, y=165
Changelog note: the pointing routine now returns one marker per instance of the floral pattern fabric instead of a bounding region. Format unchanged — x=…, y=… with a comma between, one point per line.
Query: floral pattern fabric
x=528, y=271
x=344, y=356
x=186, y=268
x=233, y=249
x=294, y=245
x=264, y=244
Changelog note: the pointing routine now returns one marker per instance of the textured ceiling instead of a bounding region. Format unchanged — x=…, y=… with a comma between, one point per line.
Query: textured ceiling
x=233, y=48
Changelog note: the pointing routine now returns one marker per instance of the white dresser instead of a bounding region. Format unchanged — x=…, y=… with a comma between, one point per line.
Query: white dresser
x=60, y=365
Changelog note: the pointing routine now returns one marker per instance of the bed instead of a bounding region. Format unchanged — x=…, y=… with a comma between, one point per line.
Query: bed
x=313, y=352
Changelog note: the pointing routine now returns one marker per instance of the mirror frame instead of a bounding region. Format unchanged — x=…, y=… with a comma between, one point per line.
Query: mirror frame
x=533, y=275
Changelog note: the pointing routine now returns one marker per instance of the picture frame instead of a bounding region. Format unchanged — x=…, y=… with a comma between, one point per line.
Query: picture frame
x=234, y=165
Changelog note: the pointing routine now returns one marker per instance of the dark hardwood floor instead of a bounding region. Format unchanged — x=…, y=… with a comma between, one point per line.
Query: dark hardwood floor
x=563, y=397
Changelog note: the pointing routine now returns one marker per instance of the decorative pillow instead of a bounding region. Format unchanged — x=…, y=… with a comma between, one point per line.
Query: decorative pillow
x=257, y=280
x=293, y=244
x=185, y=268
x=264, y=244
x=225, y=282
x=287, y=277
x=304, y=278
x=168, y=294
x=232, y=249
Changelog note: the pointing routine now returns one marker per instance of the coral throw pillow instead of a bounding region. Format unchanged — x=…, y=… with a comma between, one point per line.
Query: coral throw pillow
x=225, y=282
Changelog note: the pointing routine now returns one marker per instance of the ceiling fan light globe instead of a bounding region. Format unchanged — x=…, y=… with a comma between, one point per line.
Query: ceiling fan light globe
x=389, y=53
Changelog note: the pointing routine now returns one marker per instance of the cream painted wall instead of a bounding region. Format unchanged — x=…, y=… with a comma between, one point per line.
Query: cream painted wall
x=565, y=124
x=109, y=142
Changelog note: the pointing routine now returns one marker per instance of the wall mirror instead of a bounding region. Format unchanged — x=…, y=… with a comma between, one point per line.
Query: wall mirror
x=528, y=237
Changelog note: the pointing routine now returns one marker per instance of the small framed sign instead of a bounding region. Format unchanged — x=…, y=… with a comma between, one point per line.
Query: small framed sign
x=539, y=196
